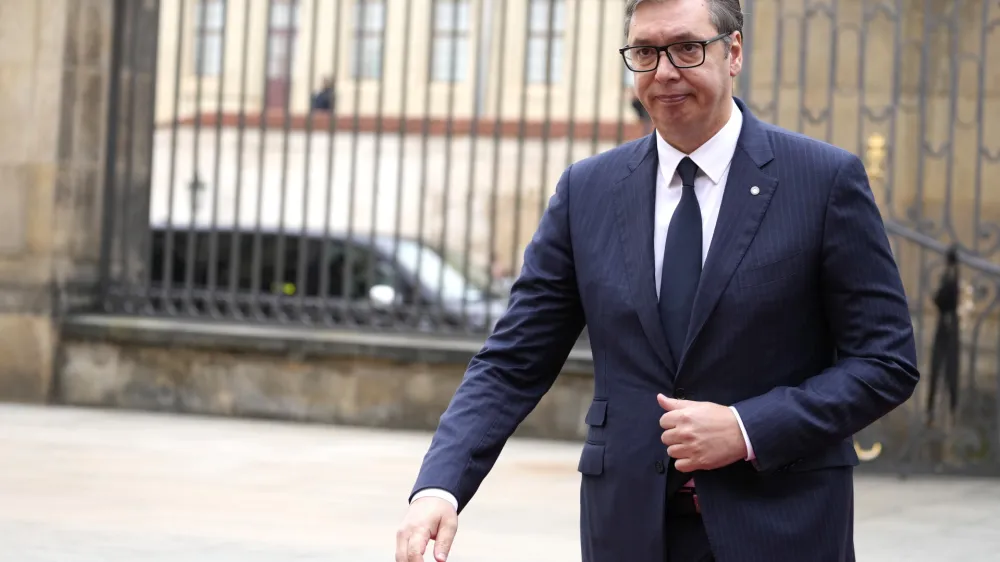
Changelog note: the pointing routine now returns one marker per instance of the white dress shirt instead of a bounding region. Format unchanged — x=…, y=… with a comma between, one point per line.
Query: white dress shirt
x=713, y=159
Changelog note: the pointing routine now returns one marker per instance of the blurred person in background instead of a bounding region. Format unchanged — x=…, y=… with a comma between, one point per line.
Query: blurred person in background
x=640, y=113
x=746, y=318
x=945, y=351
x=325, y=98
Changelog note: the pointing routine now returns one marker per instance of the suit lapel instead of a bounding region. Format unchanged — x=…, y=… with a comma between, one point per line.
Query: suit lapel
x=740, y=215
x=635, y=196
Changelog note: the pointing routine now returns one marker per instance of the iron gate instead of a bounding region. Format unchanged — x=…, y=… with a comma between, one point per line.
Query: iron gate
x=450, y=136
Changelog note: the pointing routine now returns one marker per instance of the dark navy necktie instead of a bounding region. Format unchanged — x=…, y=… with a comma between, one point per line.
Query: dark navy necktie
x=681, y=269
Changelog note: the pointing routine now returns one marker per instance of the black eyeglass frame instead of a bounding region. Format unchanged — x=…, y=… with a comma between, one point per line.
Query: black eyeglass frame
x=663, y=49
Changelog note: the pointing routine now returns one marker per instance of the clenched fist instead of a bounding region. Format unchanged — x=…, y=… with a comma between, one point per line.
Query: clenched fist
x=428, y=518
x=700, y=435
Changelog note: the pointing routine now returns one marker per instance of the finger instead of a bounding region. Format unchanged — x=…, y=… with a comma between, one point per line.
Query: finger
x=678, y=452
x=417, y=545
x=671, y=420
x=445, y=538
x=402, y=538
x=667, y=421
x=672, y=437
x=670, y=404
x=685, y=465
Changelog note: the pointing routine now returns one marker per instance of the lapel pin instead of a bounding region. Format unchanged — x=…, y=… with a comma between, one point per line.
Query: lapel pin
x=755, y=190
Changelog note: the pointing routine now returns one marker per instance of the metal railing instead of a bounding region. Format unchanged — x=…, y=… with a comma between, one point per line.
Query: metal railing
x=952, y=423
x=240, y=189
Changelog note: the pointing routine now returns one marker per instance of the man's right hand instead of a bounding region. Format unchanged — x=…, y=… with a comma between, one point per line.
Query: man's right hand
x=428, y=518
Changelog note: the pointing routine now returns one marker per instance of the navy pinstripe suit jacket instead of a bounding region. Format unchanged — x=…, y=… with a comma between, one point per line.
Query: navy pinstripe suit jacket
x=800, y=321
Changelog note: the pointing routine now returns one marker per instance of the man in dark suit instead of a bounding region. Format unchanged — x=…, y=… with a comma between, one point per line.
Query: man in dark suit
x=746, y=318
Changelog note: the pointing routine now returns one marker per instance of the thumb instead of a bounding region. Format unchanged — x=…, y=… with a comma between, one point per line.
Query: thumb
x=445, y=537
x=670, y=404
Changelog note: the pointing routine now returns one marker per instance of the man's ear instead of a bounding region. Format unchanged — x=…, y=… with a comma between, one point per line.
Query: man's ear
x=736, y=54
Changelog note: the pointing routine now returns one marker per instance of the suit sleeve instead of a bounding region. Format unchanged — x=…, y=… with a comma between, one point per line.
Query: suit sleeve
x=868, y=318
x=517, y=364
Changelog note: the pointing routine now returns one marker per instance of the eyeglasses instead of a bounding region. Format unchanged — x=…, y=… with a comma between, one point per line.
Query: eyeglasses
x=683, y=54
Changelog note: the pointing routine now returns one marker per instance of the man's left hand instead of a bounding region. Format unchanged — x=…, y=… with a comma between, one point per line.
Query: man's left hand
x=700, y=435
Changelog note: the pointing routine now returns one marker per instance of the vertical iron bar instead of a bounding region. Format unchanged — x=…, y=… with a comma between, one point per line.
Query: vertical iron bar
x=126, y=235
x=213, y=241
x=803, y=62
x=779, y=67
x=111, y=154
x=897, y=56
x=977, y=221
x=151, y=143
x=360, y=35
x=832, y=76
x=747, y=43
x=599, y=77
x=571, y=114
x=190, y=264
x=472, y=191
x=497, y=142
x=255, y=272
x=620, y=132
x=235, y=247
x=425, y=133
x=862, y=67
x=168, y=245
x=956, y=60
x=449, y=146
x=547, y=116
x=377, y=161
x=324, y=272
x=922, y=91
x=519, y=168
x=918, y=213
x=305, y=235
x=401, y=152
x=278, y=285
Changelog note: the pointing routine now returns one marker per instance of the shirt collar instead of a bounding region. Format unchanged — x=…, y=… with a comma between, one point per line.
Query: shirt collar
x=712, y=158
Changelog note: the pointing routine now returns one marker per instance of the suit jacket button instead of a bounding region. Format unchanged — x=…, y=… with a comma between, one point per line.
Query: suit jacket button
x=659, y=467
x=680, y=394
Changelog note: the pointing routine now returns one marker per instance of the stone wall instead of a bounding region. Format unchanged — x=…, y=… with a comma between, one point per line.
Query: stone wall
x=54, y=61
x=311, y=375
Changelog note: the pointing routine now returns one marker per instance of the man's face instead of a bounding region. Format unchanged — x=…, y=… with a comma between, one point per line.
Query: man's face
x=687, y=105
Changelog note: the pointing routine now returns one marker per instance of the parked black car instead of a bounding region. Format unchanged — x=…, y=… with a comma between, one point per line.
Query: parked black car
x=338, y=279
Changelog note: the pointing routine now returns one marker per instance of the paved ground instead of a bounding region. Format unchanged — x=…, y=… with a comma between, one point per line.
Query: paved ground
x=89, y=486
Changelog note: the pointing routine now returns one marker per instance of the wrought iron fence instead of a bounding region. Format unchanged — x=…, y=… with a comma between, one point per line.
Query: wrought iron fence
x=380, y=164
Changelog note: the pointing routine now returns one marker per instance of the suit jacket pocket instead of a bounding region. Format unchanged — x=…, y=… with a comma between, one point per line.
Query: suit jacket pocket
x=596, y=416
x=591, y=460
x=770, y=272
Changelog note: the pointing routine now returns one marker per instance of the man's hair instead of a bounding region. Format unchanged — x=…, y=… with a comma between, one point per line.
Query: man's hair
x=725, y=15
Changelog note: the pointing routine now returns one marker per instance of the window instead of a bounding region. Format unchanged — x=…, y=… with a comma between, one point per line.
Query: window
x=369, y=22
x=281, y=38
x=282, y=31
x=451, y=41
x=546, y=21
x=210, y=21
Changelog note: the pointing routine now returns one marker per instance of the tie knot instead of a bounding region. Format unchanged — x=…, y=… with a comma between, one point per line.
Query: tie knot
x=687, y=170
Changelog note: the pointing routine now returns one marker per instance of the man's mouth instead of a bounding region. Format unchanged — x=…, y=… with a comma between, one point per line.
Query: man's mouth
x=672, y=98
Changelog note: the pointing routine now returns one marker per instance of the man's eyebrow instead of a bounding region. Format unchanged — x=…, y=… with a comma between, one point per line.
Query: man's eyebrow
x=682, y=36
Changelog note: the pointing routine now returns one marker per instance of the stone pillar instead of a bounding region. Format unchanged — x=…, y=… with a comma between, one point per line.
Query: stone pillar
x=54, y=74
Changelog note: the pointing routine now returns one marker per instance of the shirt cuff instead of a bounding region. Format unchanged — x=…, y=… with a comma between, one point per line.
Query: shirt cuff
x=439, y=493
x=746, y=438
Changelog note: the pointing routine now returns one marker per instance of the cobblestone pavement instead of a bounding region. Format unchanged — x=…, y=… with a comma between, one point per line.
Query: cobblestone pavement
x=88, y=486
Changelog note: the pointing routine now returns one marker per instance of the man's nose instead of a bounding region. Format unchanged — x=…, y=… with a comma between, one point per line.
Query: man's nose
x=665, y=70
